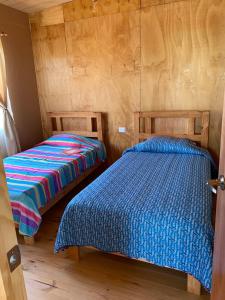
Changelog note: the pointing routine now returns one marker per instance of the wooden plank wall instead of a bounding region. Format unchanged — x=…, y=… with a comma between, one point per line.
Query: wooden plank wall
x=121, y=56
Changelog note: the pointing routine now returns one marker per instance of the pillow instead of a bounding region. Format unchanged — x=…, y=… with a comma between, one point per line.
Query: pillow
x=64, y=140
x=166, y=144
x=73, y=151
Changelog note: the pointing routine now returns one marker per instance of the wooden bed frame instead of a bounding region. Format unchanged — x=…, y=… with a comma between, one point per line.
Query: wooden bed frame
x=193, y=125
x=94, y=129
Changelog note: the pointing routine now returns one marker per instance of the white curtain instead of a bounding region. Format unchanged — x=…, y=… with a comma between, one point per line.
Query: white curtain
x=9, y=142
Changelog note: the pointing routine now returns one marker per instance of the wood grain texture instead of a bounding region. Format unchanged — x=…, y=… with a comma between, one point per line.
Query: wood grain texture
x=93, y=125
x=29, y=240
x=47, y=17
x=218, y=287
x=54, y=76
x=31, y=6
x=119, y=58
x=189, y=124
x=83, y=9
x=91, y=65
x=104, y=54
x=184, y=59
x=146, y=3
x=193, y=285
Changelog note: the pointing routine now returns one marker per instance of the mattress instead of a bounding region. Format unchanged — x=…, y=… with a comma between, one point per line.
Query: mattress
x=152, y=204
x=34, y=177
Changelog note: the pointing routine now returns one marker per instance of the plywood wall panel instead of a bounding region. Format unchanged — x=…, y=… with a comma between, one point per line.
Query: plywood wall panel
x=123, y=56
x=50, y=16
x=146, y=3
x=53, y=73
x=129, y=5
x=92, y=64
x=76, y=10
x=83, y=9
x=31, y=6
x=184, y=59
x=103, y=53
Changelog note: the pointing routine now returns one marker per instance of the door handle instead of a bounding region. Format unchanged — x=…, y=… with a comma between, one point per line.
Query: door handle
x=217, y=183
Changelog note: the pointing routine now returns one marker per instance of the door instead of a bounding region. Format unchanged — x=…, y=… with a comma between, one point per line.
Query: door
x=218, y=289
x=11, y=276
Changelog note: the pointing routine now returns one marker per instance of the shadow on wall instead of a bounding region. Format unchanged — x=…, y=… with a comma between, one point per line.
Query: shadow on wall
x=21, y=78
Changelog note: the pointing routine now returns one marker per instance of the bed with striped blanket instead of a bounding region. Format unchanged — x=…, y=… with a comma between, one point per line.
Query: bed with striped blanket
x=34, y=177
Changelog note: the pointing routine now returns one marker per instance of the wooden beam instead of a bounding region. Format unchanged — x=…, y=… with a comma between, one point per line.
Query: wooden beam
x=99, y=126
x=191, y=126
x=88, y=131
x=193, y=285
x=172, y=114
x=205, y=129
x=29, y=240
x=73, y=252
x=83, y=133
x=73, y=114
x=188, y=117
x=59, y=124
x=136, y=128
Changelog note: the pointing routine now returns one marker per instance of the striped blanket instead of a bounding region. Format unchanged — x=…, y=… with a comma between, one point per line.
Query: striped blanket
x=35, y=176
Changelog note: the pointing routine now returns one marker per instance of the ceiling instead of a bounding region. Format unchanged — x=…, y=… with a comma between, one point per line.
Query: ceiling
x=31, y=6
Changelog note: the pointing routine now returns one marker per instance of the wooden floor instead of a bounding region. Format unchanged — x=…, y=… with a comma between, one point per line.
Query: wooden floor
x=97, y=276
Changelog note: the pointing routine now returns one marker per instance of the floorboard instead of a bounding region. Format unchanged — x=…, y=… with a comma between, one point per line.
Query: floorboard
x=97, y=276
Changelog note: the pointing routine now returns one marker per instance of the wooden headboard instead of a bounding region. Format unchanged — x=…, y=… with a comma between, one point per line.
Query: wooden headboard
x=92, y=123
x=193, y=125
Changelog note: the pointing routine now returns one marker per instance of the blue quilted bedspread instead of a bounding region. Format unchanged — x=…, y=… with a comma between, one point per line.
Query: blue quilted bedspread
x=152, y=204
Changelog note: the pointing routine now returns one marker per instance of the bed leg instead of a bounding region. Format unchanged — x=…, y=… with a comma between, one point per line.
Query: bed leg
x=73, y=252
x=193, y=286
x=28, y=240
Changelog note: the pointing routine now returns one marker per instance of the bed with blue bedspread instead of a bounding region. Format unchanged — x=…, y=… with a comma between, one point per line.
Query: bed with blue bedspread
x=152, y=204
x=36, y=176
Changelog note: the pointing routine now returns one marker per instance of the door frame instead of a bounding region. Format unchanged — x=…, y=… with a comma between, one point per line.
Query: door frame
x=218, y=282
